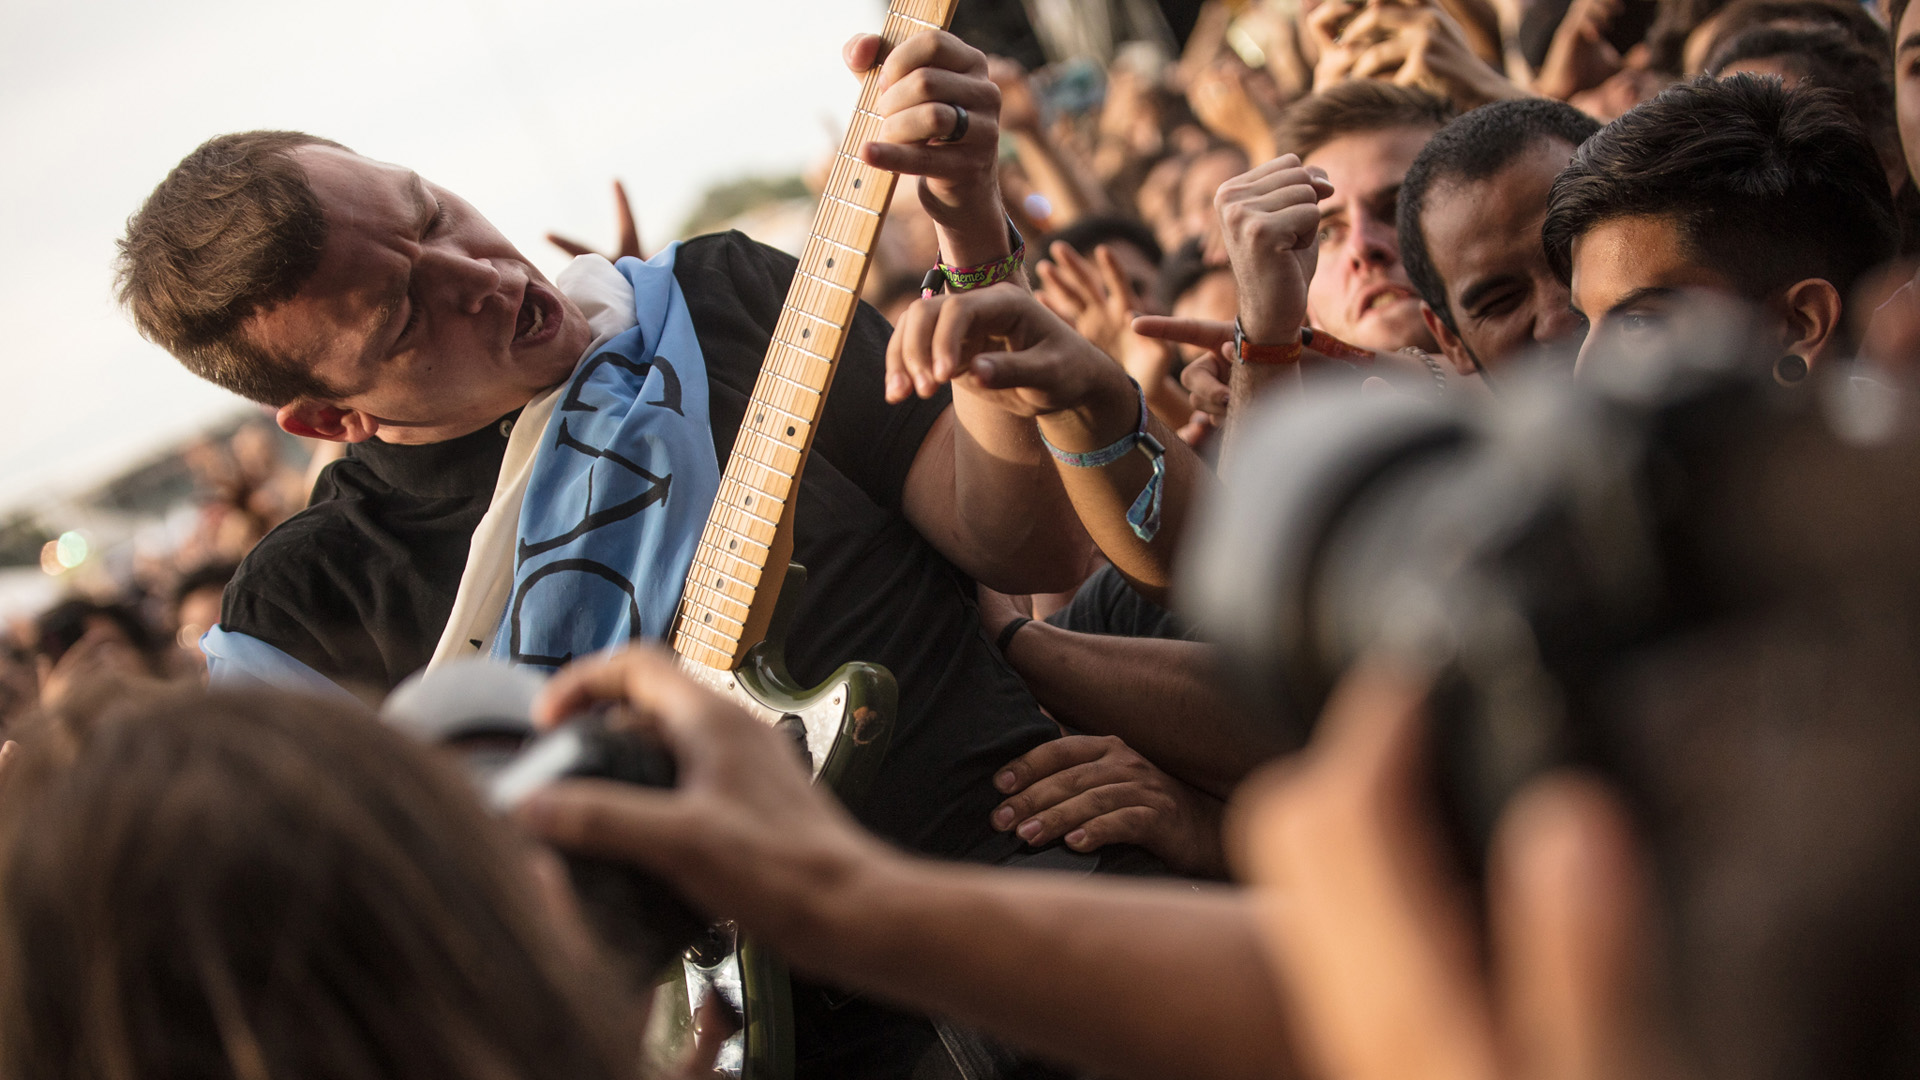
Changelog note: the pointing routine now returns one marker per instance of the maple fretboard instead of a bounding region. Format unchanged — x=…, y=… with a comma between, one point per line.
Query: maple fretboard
x=725, y=585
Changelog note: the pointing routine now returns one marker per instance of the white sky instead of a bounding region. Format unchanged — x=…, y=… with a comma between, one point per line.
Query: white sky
x=527, y=110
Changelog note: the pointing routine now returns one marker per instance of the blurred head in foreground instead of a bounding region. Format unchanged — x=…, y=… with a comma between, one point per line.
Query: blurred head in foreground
x=261, y=885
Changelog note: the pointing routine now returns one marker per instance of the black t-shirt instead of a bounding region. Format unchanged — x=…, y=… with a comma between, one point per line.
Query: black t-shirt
x=1106, y=604
x=360, y=584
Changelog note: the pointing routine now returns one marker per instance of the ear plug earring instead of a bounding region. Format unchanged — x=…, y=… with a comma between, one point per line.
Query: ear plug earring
x=1790, y=369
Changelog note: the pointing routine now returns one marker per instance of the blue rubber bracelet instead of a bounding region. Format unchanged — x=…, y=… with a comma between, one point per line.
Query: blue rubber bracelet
x=1144, y=515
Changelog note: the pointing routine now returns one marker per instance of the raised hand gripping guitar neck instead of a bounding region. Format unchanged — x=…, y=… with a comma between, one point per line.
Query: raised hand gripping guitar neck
x=734, y=610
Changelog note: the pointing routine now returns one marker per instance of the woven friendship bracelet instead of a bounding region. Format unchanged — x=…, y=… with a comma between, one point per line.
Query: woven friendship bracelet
x=1144, y=515
x=945, y=276
x=962, y=278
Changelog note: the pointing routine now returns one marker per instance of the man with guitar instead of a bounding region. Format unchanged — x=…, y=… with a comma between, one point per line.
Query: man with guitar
x=371, y=307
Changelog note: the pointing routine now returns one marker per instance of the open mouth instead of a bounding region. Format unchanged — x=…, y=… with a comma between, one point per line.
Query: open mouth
x=538, y=319
x=1383, y=299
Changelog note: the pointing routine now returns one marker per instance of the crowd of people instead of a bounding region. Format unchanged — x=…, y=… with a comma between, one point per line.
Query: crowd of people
x=1096, y=845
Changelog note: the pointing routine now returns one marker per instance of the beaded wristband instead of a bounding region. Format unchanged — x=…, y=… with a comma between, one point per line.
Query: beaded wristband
x=1144, y=515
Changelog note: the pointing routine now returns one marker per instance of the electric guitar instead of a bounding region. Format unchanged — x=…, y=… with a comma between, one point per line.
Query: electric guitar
x=730, y=628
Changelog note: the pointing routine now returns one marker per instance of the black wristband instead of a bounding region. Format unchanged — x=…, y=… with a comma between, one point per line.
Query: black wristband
x=1006, y=633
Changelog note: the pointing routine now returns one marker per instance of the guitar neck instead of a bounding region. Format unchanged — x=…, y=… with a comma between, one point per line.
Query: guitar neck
x=742, y=554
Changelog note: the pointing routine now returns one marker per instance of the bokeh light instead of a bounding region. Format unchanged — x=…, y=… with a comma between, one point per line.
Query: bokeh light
x=71, y=549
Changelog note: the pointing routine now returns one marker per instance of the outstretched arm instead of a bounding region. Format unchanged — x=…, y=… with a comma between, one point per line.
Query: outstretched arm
x=1126, y=979
x=1019, y=374
x=1164, y=697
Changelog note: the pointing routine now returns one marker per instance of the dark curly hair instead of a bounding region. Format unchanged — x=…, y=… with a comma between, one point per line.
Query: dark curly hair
x=1478, y=145
x=1769, y=186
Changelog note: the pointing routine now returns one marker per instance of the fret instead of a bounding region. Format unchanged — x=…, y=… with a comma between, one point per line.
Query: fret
x=747, y=560
x=815, y=330
x=691, y=625
x=856, y=252
x=740, y=596
x=815, y=338
x=714, y=577
x=717, y=609
x=756, y=475
x=761, y=499
x=795, y=398
x=691, y=648
x=854, y=181
x=750, y=505
x=735, y=515
x=937, y=12
x=711, y=621
x=861, y=130
x=788, y=429
x=922, y=23
x=858, y=187
x=797, y=361
x=774, y=455
x=848, y=225
x=738, y=521
x=843, y=202
x=762, y=422
x=823, y=281
x=832, y=306
x=832, y=267
x=709, y=567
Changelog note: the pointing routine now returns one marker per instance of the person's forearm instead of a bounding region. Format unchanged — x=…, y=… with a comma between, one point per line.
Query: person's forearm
x=1104, y=496
x=1163, y=697
x=971, y=226
x=1125, y=979
x=1246, y=385
x=1022, y=534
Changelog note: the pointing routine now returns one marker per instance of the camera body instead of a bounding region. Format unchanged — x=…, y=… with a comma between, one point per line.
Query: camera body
x=484, y=712
x=1518, y=551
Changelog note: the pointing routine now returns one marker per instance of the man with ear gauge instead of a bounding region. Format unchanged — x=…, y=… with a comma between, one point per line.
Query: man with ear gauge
x=1738, y=186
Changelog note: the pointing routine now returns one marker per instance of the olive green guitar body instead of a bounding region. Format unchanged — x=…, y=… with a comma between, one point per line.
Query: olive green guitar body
x=844, y=725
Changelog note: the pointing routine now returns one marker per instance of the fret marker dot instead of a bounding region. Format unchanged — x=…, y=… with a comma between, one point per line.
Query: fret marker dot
x=758, y=417
x=829, y=264
x=789, y=430
x=749, y=500
x=856, y=182
x=806, y=333
x=731, y=544
x=707, y=618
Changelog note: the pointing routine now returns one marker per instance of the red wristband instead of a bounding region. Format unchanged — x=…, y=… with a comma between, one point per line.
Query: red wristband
x=1251, y=353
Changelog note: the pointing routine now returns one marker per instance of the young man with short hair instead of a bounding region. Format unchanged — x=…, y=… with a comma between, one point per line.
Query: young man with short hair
x=1737, y=186
x=1469, y=229
x=1360, y=137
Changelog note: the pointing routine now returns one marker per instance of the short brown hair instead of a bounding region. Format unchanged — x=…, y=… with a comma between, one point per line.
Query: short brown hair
x=1354, y=107
x=233, y=229
x=258, y=884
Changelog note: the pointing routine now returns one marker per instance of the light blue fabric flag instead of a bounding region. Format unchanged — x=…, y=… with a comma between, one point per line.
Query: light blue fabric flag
x=621, y=487
x=622, y=483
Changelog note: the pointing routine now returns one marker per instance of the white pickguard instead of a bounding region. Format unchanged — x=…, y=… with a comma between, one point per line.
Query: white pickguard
x=822, y=715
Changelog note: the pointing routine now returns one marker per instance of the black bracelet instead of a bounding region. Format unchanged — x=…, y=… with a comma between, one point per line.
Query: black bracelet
x=1006, y=633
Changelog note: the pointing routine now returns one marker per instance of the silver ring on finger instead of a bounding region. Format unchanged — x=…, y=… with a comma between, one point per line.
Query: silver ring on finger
x=959, y=127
